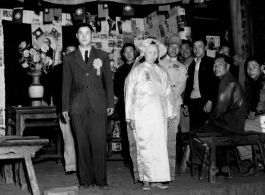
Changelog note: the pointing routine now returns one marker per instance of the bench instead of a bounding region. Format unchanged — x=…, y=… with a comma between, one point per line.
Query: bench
x=19, y=147
x=212, y=140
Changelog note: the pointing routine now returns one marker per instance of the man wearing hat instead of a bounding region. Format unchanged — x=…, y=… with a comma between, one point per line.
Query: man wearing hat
x=177, y=74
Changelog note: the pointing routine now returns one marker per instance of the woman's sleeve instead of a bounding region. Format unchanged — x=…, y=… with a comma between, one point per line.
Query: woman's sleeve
x=168, y=94
x=130, y=94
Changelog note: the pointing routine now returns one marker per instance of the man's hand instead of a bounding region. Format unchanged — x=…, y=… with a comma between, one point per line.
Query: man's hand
x=66, y=116
x=252, y=116
x=110, y=111
x=169, y=121
x=208, y=107
x=186, y=111
x=132, y=124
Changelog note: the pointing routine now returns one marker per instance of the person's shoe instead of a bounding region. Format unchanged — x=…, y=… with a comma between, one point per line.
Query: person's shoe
x=146, y=186
x=86, y=186
x=221, y=174
x=70, y=172
x=159, y=185
x=104, y=187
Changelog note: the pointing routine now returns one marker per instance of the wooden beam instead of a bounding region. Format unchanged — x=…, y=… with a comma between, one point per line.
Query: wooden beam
x=135, y=2
x=241, y=33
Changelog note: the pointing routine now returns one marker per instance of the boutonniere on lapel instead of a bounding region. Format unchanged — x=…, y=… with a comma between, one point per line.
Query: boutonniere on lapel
x=97, y=63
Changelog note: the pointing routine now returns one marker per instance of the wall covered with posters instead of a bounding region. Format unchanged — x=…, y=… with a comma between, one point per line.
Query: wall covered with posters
x=110, y=34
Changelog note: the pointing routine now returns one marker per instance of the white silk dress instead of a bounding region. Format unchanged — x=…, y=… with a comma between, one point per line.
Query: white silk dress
x=149, y=101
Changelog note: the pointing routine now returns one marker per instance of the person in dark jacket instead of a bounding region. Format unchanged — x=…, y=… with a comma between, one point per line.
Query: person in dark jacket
x=256, y=113
x=128, y=54
x=200, y=86
x=228, y=117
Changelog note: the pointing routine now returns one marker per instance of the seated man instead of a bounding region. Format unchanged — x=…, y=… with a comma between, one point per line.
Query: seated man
x=256, y=115
x=228, y=116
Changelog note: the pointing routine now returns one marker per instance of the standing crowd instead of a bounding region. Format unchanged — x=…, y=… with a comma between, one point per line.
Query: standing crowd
x=167, y=88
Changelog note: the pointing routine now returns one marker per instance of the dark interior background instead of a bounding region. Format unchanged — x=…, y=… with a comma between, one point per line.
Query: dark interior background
x=209, y=18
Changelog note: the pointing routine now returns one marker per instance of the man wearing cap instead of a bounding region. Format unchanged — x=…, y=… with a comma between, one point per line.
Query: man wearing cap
x=177, y=74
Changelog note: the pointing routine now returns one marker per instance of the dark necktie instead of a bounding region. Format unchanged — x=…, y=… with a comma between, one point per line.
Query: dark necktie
x=86, y=56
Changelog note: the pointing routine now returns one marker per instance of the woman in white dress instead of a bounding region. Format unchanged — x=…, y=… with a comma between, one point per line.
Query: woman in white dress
x=149, y=110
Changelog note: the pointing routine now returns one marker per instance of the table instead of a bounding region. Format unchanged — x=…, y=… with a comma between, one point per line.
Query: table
x=18, y=118
x=19, y=147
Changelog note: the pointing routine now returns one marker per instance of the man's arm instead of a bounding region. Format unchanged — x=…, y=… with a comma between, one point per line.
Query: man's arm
x=66, y=85
x=223, y=100
x=261, y=104
x=107, y=82
x=117, y=83
x=189, y=83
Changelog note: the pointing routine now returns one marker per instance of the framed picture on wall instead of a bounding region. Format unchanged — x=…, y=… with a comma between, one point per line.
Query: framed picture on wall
x=213, y=44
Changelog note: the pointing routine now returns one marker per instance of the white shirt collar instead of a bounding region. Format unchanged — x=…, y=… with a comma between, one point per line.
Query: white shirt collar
x=198, y=62
x=82, y=50
x=171, y=59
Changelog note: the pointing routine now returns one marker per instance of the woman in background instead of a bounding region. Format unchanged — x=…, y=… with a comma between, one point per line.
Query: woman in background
x=128, y=54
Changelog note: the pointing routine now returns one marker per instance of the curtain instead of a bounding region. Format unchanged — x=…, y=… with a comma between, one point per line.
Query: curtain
x=16, y=79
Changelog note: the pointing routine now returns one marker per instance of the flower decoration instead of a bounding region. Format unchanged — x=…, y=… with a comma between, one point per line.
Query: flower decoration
x=34, y=57
x=146, y=43
x=97, y=63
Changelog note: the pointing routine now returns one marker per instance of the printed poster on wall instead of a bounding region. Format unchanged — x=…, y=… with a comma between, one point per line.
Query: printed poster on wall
x=213, y=44
x=52, y=36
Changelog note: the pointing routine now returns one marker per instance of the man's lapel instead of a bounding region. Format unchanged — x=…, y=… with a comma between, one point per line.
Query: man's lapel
x=79, y=59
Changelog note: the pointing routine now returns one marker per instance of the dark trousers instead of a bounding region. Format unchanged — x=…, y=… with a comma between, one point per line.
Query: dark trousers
x=196, y=113
x=197, y=149
x=125, y=142
x=90, y=131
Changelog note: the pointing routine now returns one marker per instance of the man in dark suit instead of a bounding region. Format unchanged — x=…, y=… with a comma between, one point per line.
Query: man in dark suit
x=88, y=97
x=200, y=87
x=228, y=116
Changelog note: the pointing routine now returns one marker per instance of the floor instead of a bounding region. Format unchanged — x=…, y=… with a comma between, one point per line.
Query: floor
x=50, y=175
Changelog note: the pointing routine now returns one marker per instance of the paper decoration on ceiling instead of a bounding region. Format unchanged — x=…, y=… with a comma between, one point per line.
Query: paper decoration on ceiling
x=102, y=12
x=18, y=15
x=48, y=15
x=54, y=32
x=57, y=12
x=79, y=13
x=37, y=33
x=163, y=8
x=128, y=10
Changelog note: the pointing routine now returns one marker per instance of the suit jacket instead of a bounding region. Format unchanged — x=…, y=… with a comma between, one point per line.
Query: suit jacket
x=49, y=53
x=230, y=111
x=207, y=80
x=80, y=81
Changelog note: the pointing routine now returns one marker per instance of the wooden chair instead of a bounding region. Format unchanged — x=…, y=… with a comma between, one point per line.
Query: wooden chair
x=212, y=140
